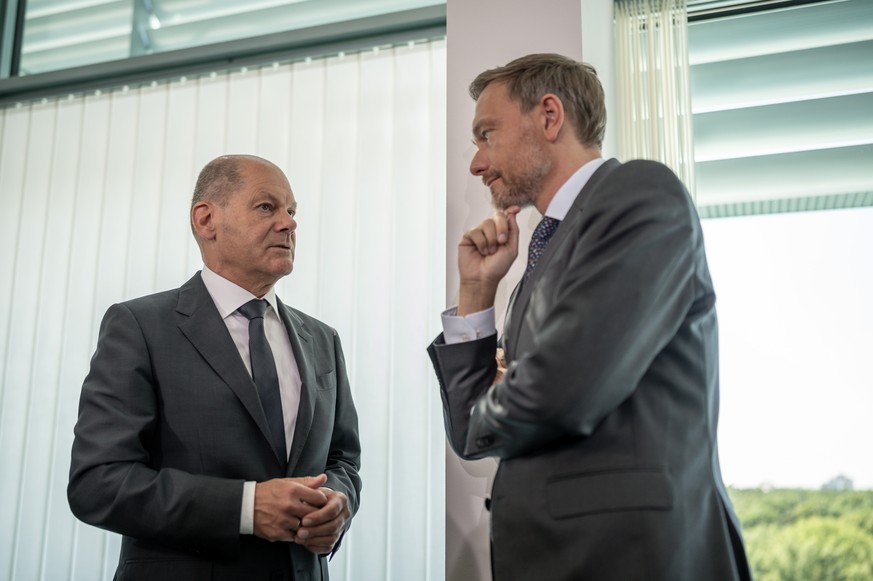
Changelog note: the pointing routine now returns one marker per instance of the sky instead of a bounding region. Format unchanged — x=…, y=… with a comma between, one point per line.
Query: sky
x=795, y=307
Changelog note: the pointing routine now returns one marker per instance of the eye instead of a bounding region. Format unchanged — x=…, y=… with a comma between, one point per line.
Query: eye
x=485, y=133
x=267, y=207
x=292, y=212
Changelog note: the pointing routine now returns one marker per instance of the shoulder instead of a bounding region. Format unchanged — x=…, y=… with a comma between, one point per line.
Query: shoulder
x=153, y=307
x=644, y=183
x=145, y=312
x=187, y=299
x=644, y=171
x=158, y=300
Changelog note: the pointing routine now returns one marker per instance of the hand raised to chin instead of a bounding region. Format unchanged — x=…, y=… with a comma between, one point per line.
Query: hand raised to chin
x=485, y=255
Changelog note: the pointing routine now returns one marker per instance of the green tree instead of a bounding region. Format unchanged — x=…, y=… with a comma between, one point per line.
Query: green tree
x=812, y=549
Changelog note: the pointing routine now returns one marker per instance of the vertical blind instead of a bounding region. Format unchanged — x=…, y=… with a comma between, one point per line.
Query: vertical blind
x=95, y=190
x=783, y=109
x=653, y=102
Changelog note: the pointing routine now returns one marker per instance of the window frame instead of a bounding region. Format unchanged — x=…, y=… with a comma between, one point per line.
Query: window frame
x=418, y=24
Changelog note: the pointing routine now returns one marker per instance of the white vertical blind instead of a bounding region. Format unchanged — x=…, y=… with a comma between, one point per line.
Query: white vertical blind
x=654, y=103
x=95, y=191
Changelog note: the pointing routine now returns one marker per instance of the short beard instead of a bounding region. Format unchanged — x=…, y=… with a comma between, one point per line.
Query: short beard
x=526, y=186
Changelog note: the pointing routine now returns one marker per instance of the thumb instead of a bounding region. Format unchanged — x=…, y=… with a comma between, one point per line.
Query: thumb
x=314, y=482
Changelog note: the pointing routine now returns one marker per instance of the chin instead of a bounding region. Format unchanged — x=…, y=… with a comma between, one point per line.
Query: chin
x=277, y=270
x=504, y=201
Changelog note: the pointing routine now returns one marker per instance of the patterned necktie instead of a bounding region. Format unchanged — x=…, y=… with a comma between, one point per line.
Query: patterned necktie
x=538, y=242
x=264, y=373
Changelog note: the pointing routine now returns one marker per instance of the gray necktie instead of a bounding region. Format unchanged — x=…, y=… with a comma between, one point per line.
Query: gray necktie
x=264, y=373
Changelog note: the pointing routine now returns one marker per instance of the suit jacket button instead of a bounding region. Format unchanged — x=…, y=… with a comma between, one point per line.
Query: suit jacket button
x=488, y=503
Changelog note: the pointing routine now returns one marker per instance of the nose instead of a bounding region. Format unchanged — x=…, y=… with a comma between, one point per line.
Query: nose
x=288, y=223
x=479, y=165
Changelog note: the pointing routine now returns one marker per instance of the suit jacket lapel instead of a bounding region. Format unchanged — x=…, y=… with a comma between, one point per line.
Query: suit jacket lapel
x=202, y=325
x=521, y=297
x=301, y=343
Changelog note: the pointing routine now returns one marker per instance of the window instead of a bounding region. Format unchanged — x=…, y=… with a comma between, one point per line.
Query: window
x=51, y=48
x=783, y=108
x=783, y=122
x=60, y=34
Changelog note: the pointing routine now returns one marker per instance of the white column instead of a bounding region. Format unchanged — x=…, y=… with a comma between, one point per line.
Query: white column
x=483, y=34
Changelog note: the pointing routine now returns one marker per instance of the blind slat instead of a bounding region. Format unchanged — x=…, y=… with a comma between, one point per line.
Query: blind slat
x=753, y=131
x=782, y=106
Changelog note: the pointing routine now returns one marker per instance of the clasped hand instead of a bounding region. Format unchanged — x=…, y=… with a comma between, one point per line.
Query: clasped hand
x=300, y=510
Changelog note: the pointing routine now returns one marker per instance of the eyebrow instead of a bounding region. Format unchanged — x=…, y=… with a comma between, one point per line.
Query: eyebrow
x=275, y=199
x=477, y=128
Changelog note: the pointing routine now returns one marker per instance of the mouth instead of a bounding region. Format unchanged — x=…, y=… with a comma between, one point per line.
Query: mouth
x=490, y=180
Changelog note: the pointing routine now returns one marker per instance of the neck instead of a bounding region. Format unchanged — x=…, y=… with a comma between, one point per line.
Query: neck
x=259, y=288
x=564, y=167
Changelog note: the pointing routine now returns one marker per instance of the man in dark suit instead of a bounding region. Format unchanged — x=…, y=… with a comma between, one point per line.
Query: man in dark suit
x=602, y=404
x=221, y=445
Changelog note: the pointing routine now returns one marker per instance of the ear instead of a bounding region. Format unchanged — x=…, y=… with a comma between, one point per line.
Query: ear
x=202, y=220
x=553, y=115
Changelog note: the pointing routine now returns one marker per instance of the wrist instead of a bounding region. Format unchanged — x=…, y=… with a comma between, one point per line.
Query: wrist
x=475, y=296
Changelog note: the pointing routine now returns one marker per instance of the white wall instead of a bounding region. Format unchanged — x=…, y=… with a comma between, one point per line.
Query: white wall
x=483, y=34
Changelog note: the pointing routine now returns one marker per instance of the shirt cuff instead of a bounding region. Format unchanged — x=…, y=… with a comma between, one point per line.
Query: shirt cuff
x=247, y=512
x=474, y=326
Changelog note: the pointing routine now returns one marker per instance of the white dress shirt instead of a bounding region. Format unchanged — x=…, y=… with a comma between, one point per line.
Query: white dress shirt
x=482, y=323
x=228, y=297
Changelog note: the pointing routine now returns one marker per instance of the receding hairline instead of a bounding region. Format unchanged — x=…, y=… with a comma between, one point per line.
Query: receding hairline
x=243, y=161
x=225, y=174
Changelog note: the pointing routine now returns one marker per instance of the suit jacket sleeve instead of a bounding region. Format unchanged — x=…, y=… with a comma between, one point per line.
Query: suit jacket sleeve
x=612, y=300
x=113, y=484
x=344, y=457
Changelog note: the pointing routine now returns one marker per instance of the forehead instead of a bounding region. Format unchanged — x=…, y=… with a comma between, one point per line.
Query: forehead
x=494, y=103
x=266, y=179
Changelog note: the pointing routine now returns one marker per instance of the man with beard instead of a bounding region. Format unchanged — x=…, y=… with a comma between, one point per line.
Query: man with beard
x=602, y=405
x=216, y=428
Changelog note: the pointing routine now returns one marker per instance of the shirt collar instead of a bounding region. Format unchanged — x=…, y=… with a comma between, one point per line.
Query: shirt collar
x=229, y=296
x=566, y=194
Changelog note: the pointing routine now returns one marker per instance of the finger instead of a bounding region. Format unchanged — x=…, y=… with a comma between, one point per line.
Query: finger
x=490, y=230
x=309, y=497
x=476, y=238
x=512, y=226
x=501, y=226
x=321, y=548
x=320, y=535
x=314, y=482
x=334, y=508
x=327, y=540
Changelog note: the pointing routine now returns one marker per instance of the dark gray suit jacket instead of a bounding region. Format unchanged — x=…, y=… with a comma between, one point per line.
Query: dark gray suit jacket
x=605, y=422
x=170, y=426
